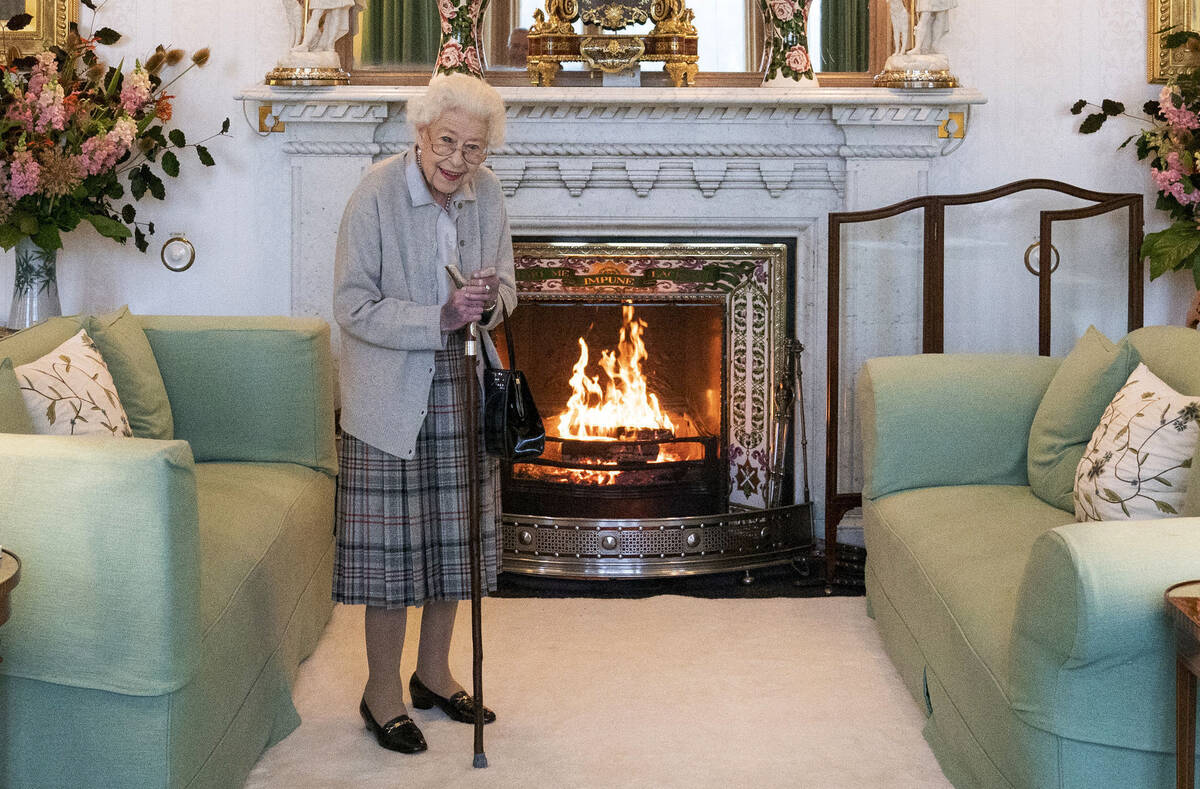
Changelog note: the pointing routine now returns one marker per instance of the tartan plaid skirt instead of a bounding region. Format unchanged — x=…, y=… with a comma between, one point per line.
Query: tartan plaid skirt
x=402, y=525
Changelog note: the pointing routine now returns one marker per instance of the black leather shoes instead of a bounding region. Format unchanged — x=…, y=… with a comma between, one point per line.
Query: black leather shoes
x=459, y=707
x=398, y=734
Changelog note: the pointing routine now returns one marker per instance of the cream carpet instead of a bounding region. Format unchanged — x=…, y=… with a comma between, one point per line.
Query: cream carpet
x=661, y=692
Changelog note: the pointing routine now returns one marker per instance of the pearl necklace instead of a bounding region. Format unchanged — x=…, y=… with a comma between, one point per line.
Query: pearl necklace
x=445, y=203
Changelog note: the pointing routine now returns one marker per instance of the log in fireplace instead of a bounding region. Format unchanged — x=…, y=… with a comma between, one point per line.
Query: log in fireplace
x=654, y=366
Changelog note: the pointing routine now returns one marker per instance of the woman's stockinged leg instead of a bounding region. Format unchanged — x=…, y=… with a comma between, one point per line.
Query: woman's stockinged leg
x=433, y=653
x=385, y=645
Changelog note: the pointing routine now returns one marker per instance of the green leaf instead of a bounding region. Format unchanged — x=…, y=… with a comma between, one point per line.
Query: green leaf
x=1196, y=274
x=1111, y=107
x=1092, y=123
x=1164, y=481
x=1110, y=495
x=47, y=237
x=107, y=226
x=157, y=190
x=139, y=239
x=1178, y=39
x=205, y=157
x=177, y=138
x=1166, y=249
x=9, y=236
x=225, y=126
x=1165, y=507
x=107, y=36
x=1124, y=509
x=170, y=164
x=1187, y=463
x=128, y=213
x=137, y=185
x=1078, y=106
x=50, y=411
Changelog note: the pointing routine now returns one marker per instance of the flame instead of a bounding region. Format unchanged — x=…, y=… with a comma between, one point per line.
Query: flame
x=624, y=404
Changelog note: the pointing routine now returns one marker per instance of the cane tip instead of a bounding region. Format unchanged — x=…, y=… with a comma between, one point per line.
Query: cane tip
x=480, y=760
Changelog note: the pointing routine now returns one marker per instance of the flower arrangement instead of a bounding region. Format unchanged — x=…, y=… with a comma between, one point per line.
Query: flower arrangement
x=1172, y=144
x=787, y=26
x=78, y=135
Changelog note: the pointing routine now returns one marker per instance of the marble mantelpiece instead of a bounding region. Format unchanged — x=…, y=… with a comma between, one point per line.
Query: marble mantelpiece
x=648, y=163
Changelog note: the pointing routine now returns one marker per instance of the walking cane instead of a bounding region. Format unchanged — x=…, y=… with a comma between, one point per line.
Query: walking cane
x=474, y=533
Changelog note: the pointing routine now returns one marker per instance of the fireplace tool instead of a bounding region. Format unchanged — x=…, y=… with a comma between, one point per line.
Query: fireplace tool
x=474, y=531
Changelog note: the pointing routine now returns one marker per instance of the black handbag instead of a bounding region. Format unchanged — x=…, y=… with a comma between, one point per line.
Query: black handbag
x=512, y=426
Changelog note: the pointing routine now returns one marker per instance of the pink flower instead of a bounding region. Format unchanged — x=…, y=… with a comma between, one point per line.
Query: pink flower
x=52, y=114
x=797, y=59
x=135, y=91
x=44, y=71
x=101, y=153
x=452, y=54
x=24, y=176
x=1178, y=117
x=448, y=9
x=471, y=58
x=783, y=9
x=21, y=112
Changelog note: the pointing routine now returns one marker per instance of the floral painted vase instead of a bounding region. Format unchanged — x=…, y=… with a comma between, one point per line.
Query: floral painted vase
x=35, y=287
x=787, y=40
x=460, y=51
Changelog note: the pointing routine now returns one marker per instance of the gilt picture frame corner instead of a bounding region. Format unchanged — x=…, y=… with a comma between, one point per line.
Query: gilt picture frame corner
x=50, y=25
x=1178, y=14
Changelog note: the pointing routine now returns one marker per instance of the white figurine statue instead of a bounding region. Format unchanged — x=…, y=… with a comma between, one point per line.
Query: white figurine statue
x=933, y=22
x=899, y=16
x=313, y=39
x=923, y=65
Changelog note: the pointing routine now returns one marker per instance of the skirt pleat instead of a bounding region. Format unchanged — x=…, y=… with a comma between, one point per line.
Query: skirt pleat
x=402, y=525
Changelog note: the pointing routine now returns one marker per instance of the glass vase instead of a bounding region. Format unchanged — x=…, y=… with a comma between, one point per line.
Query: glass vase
x=460, y=51
x=786, y=23
x=35, y=287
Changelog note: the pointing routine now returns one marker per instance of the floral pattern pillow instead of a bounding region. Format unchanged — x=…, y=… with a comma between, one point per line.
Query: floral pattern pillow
x=1139, y=459
x=69, y=392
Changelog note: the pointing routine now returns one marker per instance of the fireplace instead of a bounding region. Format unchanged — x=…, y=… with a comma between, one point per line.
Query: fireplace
x=654, y=366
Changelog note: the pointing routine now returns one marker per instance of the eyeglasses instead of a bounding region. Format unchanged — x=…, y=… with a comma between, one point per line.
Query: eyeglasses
x=474, y=153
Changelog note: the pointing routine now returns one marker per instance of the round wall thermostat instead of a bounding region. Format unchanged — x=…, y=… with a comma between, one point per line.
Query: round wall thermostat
x=178, y=254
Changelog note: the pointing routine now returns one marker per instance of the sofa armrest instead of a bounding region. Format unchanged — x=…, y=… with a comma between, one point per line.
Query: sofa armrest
x=249, y=388
x=107, y=533
x=1093, y=651
x=948, y=419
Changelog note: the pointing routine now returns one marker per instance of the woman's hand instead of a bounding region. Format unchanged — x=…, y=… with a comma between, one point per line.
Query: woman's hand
x=466, y=305
x=490, y=282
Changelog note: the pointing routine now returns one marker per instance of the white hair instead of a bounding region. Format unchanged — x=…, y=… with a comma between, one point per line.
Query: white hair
x=458, y=91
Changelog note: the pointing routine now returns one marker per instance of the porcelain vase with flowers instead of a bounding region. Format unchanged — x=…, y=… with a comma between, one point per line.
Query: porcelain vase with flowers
x=82, y=142
x=460, y=49
x=787, y=54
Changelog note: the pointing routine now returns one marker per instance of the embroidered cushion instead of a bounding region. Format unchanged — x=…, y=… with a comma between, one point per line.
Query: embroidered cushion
x=70, y=391
x=1139, y=459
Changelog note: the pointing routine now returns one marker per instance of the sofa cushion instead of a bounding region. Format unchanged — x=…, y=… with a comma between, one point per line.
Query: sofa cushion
x=131, y=361
x=14, y=418
x=34, y=342
x=1171, y=352
x=1137, y=464
x=70, y=392
x=1070, y=410
x=952, y=573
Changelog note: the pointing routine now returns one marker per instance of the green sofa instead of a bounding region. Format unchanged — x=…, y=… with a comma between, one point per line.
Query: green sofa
x=169, y=588
x=1040, y=648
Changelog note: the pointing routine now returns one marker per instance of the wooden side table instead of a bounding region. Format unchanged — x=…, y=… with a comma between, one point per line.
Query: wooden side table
x=1183, y=602
x=10, y=576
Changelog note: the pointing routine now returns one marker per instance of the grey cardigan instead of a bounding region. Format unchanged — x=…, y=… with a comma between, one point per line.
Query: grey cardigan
x=385, y=296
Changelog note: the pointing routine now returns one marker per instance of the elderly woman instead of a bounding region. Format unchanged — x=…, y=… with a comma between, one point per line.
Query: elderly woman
x=402, y=491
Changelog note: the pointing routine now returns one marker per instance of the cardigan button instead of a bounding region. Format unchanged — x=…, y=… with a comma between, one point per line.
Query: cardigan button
x=458, y=204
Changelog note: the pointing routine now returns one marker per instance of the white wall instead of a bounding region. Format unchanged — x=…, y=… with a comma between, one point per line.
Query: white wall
x=1031, y=59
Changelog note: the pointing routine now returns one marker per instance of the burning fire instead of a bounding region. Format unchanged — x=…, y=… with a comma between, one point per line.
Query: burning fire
x=624, y=407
